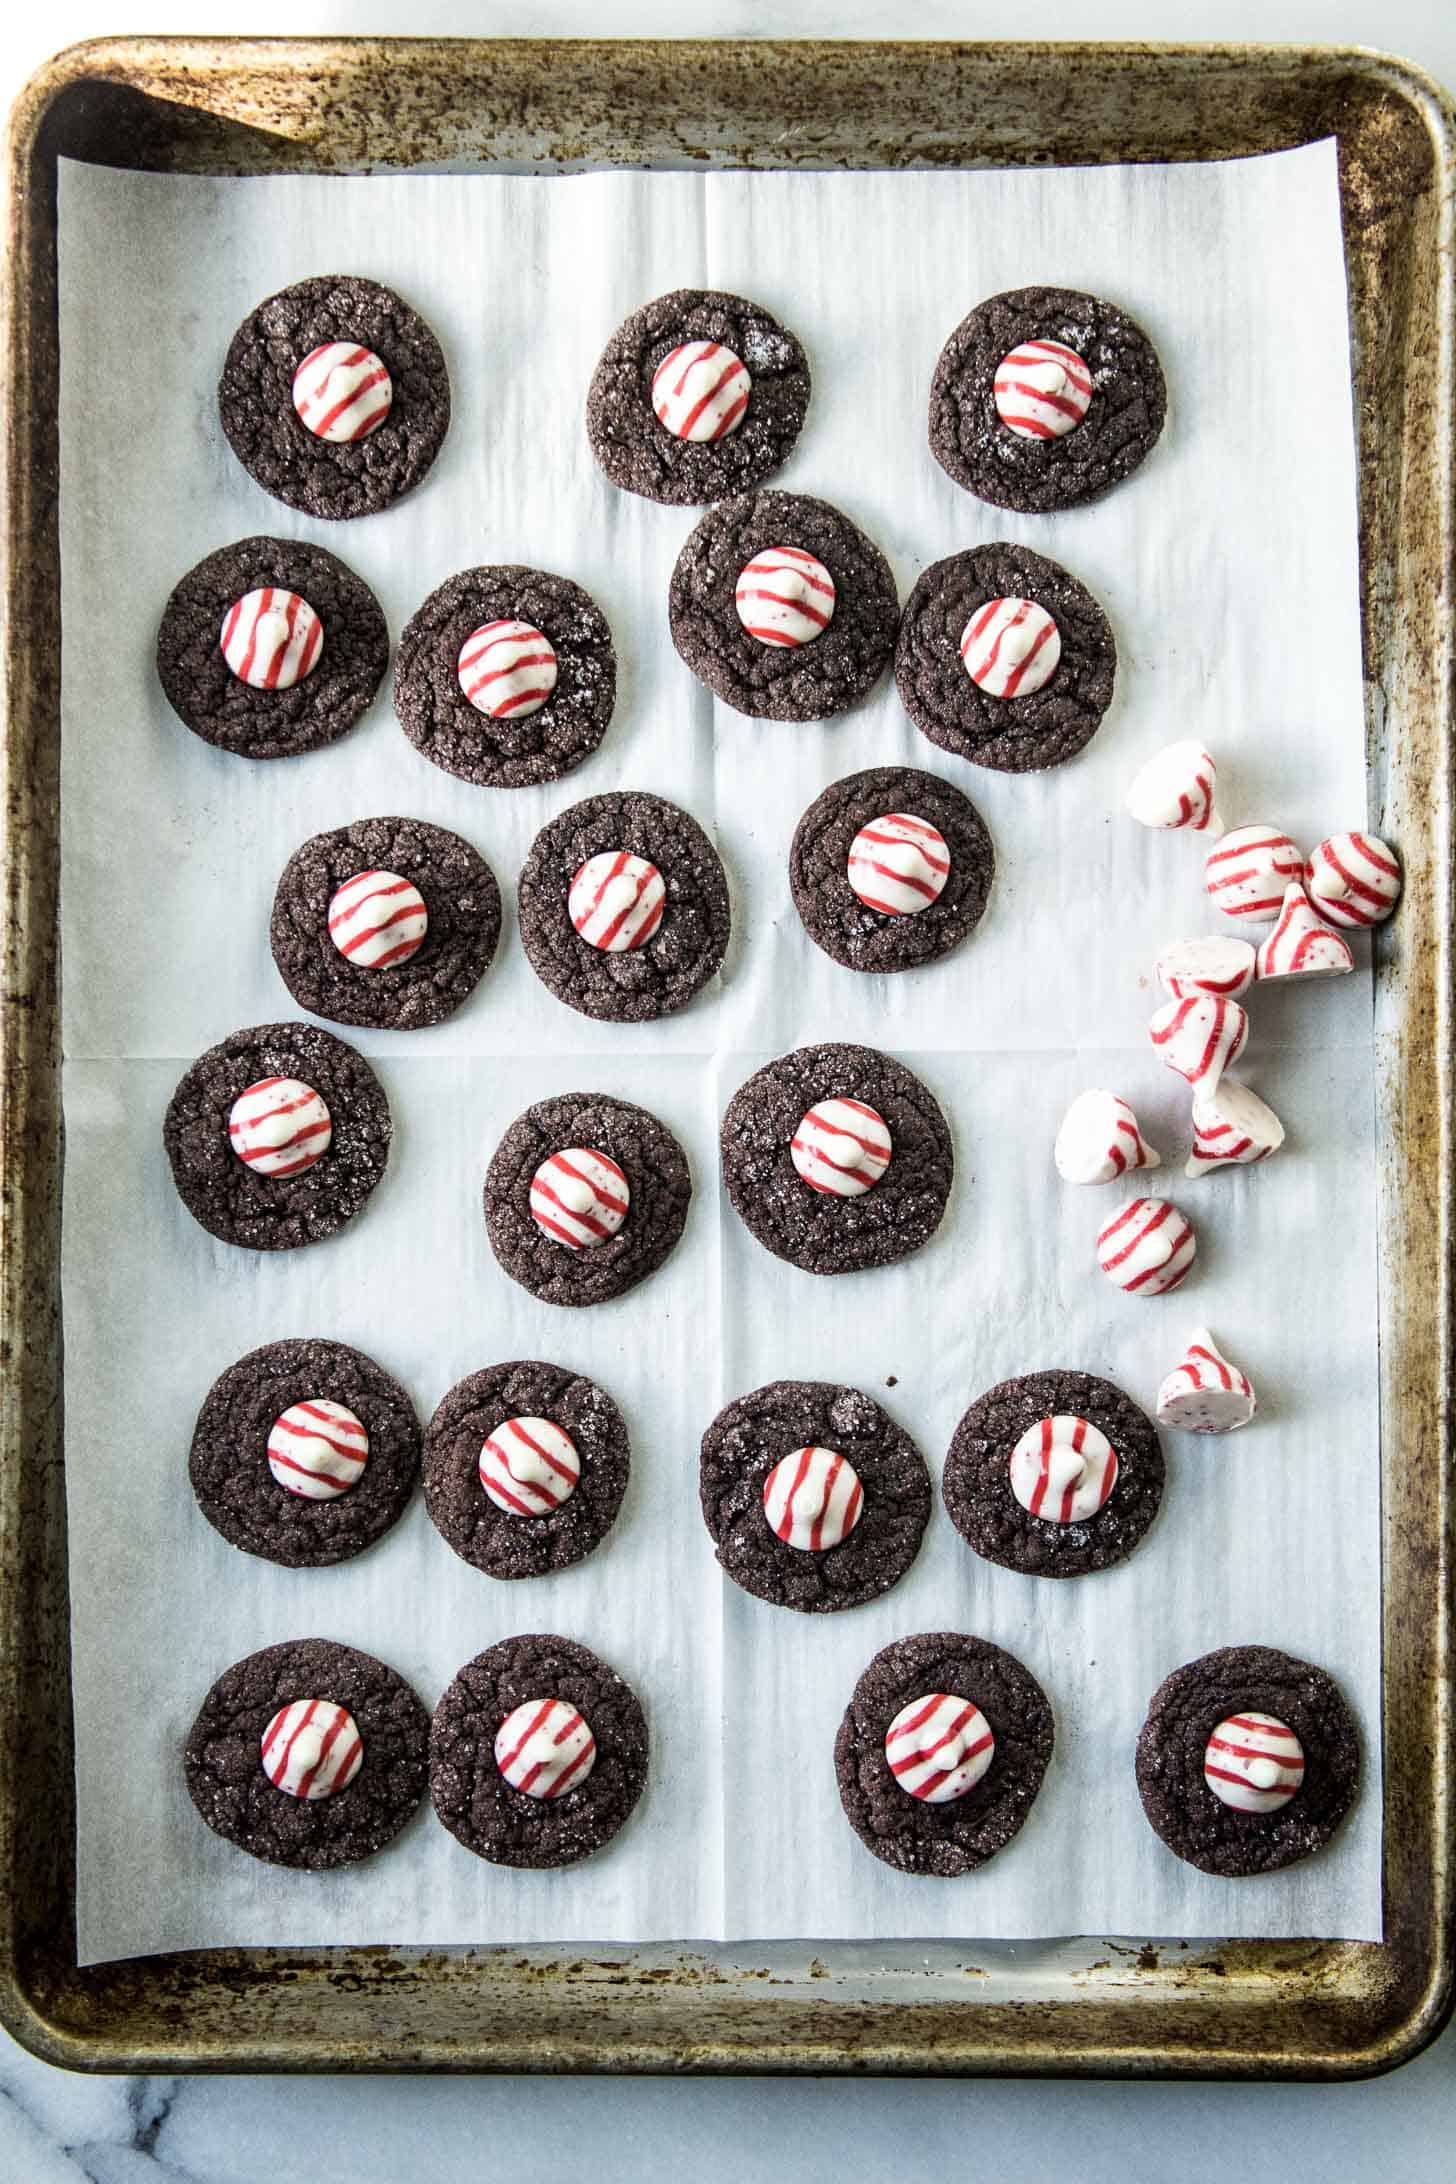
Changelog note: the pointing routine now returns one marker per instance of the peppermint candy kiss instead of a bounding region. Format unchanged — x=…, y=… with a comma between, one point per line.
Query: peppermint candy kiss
x=1253, y=1762
x=1042, y=390
x=1010, y=647
x=813, y=1499
x=898, y=864
x=1175, y=789
x=342, y=391
x=1100, y=1140
x=271, y=638
x=1063, y=1469
x=377, y=920
x=938, y=1747
x=579, y=1197
x=529, y=1467
x=1224, y=968
x=1247, y=872
x=311, y=1748
x=1299, y=946
x=1199, y=1037
x=700, y=390
x=317, y=1449
x=1354, y=879
x=507, y=669
x=1232, y=1128
x=784, y=597
x=545, y=1748
x=616, y=901
x=279, y=1127
x=1205, y=1393
x=841, y=1148
x=1148, y=1248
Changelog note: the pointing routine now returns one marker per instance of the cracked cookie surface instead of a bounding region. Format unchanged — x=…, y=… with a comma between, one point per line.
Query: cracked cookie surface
x=851, y=931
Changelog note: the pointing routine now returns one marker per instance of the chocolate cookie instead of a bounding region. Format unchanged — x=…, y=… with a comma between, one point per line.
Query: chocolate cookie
x=980, y=1483
x=376, y=400
x=339, y=1806
x=220, y=603
x=890, y=868
x=585, y=1197
x=1079, y=404
x=538, y=655
x=1029, y=728
x=578, y=1752
x=388, y=922
x=696, y=396
x=1223, y=1690
x=783, y=607
x=525, y=1468
x=304, y=1453
x=624, y=907
x=944, y=1835
x=860, y=1185
x=814, y=1497
x=277, y=1136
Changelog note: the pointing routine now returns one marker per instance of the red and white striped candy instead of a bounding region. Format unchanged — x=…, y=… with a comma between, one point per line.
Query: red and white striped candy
x=1206, y=1393
x=1247, y=872
x=616, y=901
x=1232, y=1128
x=939, y=1746
x=784, y=597
x=700, y=390
x=1199, y=1037
x=279, y=1127
x=1253, y=1762
x=1100, y=1140
x=317, y=1449
x=898, y=864
x=1175, y=789
x=529, y=1467
x=813, y=1499
x=271, y=638
x=1148, y=1248
x=1042, y=390
x=1010, y=647
x=342, y=391
x=579, y=1197
x=507, y=669
x=1354, y=879
x=841, y=1148
x=377, y=919
x=311, y=1748
x=545, y=1748
x=1063, y=1469
x=1217, y=966
x=1300, y=946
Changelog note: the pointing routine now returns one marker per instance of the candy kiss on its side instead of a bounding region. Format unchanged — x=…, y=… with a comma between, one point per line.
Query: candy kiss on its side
x=1300, y=946
x=1232, y=1128
x=1175, y=789
x=1100, y=1140
x=1215, y=965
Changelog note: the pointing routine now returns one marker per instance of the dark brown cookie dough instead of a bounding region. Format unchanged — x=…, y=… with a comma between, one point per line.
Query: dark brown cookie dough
x=333, y=478
x=1020, y=734
x=638, y=452
x=822, y=1234
x=676, y=960
x=977, y=1478
x=224, y=1765
x=1186, y=1709
x=497, y=1540
x=1037, y=476
x=657, y=1175
x=235, y=1488
x=848, y=929
x=783, y=682
x=276, y=1213
x=958, y=1836
x=473, y=1798
x=202, y=689
x=460, y=896
x=440, y=720
x=754, y=1433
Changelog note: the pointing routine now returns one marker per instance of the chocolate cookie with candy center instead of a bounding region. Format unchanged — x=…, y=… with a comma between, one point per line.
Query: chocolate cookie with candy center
x=1055, y=1474
x=624, y=907
x=783, y=607
x=890, y=868
x=941, y=1752
x=813, y=1496
x=696, y=396
x=1248, y=1760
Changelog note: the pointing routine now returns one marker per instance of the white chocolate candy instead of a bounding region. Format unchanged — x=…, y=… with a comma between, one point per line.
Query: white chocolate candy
x=342, y=391
x=529, y=1467
x=813, y=1499
x=271, y=638
x=1148, y=1248
x=377, y=920
x=1100, y=1140
x=1010, y=647
x=279, y=1127
x=1232, y=1128
x=317, y=1449
x=1247, y=872
x=1063, y=1469
x=1217, y=966
x=898, y=864
x=579, y=1197
x=1206, y=1392
x=311, y=1748
x=545, y=1748
x=1300, y=946
x=1253, y=1762
x=700, y=390
x=507, y=669
x=784, y=597
x=841, y=1147
x=616, y=901
x=939, y=1746
x=1042, y=390
x=1199, y=1038
x=1354, y=879
x=1175, y=789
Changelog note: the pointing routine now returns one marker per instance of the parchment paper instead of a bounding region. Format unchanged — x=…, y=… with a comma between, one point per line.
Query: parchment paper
x=1228, y=568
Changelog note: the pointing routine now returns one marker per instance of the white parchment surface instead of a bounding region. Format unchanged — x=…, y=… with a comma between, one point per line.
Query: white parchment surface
x=1228, y=569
